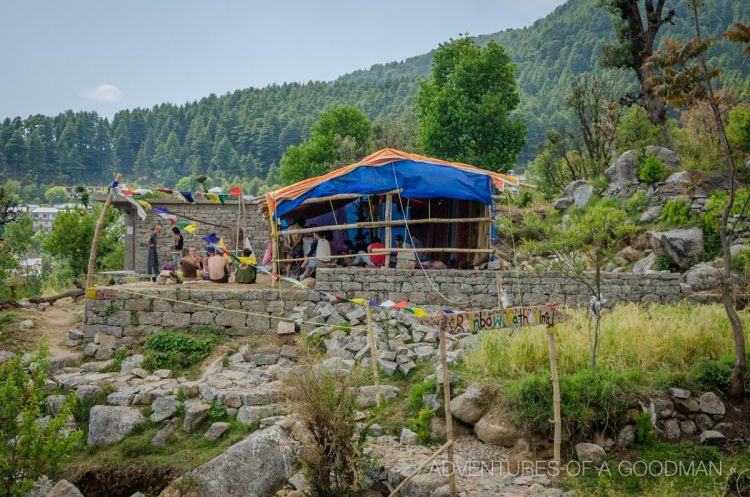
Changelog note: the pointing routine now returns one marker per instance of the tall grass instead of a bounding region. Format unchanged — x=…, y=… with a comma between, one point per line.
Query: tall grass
x=652, y=339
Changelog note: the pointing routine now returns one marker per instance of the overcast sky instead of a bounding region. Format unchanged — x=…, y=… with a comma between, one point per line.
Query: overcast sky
x=107, y=55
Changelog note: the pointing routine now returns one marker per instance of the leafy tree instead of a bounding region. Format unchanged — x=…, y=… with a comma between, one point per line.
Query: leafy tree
x=682, y=76
x=635, y=131
x=465, y=110
x=583, y=248
x=71, y=235
x=635, y=44
x=652, y=170
x=56, y=195
x=28, y=448
x=341, y=136
x=738, y=129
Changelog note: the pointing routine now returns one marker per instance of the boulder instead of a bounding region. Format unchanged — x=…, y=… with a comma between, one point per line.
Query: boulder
x=215, y=431
x=711, y=404
x=679, y=393
x=163, y=408
x=161, y=436
x=497, y=428
x=249, y=415
x=470, y=405
x=650, y=215
x=686, y=406
x=703, y=422
x=6, y=355
x=366, y=394
x=736, y=250
x=671, y=429
x=110, y=424
x=688, y=427
x=64, y=489
x=645, y=264
x=424, y=485
x=286, y=328
x=579, y=192
x=663, y=408
x=623, y=173
x=703, y=276
x=588, y=452
x=668, y=157
x=712, y=437
x=682, y=245
x=195, y=414
x=408, y=437
x=626, y=437
x=562, y=203
x=26, y=324
x=255, y=467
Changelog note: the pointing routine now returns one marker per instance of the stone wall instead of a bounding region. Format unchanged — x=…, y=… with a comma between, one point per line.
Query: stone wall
x=210, y=218
x=478, y=289
x=126, y=317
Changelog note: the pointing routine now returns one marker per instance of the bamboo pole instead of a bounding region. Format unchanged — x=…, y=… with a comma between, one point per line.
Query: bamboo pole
x=499, y=285
x=274, y=246
x=447, y=445
x=373, y=354
x=447, y=402
x=344, y=196
x=95, y=242
x=383, y=224
x=433, y=249
x=555, y=393
x=388, y=219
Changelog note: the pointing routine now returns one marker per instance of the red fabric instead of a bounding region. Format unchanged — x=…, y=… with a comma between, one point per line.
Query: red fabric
x=378, y=259
x=235, y=191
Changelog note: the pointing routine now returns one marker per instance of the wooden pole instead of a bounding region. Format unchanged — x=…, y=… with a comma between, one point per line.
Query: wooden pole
x=393, y=222
x=555, y=393
x=95, y=242
x=373, y=354
x=274, y=246
x=447, y=402
x=499, y=285
x=433, y=249
x=388, y=219
x=447, y=445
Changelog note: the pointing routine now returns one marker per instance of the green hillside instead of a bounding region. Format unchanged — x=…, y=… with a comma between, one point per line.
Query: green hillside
x=243, y=133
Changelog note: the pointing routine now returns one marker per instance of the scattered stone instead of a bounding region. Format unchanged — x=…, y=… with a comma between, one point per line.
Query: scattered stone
x=424, y=485
x=26, y=324
x=73, y=338
x=712, y=437
x=711, y=404
x=408, y=437
x=6, y=355
x=703, y=276
x=161, y=436
x=195, y=414
x=471, y=405
x=122, y=397
x=644, y=265
x=249, y=415
x=650, y=215
x=64, y=489
x=54, y=403
x=109, y=424
x=703, y=422
x=623, y=173
x=163, y=408
x=682, y=245
x=407, y=366
x=663, y=408
x=668, y=157
x=588, y=452
x=688, y=427
x=686, y=406
x=495, y=427
x=366, y=394
x=580, y=192
x=90, y=349
x=215, y=431
x=562, y=203
x=286, y=328
x=671, y=429
x=679, y=393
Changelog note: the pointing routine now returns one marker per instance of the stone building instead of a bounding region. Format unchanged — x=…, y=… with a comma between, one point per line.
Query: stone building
x=210, y=218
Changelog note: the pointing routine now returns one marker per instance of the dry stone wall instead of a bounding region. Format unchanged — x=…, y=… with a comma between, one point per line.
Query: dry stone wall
x=478, y=289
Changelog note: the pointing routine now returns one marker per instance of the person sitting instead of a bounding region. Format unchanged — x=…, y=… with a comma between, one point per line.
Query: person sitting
x=376, y=259
x=404, y=260
x=218, y=272
x=348, y=250
x=293, y=244
x=189, y=264
x=246, y=272
x=322, y=254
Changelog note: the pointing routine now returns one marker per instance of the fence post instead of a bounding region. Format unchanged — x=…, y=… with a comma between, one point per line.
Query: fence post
x=447, y=402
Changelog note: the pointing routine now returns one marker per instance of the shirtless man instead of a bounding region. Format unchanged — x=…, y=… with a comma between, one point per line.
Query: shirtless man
x=218, y=272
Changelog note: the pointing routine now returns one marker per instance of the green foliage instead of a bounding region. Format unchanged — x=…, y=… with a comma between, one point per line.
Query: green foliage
x=420, y=424
x=82, y=409
x=524, y=199
x=644, y=430
x=465, y=110
x=71, y=235
x=217, y=412
x=738, y=128
x=635, y=131
x=664, y=262
x=340, y=137
x=56, y=195
x=590, y=401
x=712, y=375
x=177, y=351
x=637, y=203
x=652, y=170
x=29, y=449
x=676, y=212
x=415, y=397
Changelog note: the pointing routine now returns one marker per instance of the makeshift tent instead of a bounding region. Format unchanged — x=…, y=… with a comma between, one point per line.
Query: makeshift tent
x=444, y=192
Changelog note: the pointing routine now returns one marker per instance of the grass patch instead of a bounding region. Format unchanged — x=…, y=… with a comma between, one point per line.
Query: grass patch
x=181, y=352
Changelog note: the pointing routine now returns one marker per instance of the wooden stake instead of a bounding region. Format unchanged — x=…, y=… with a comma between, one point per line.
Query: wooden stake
x=499, y=284
x=555, y=393
x=447, y=445
x=447, y=402
x=95, y=242
x=373, y=354
x=388, y=219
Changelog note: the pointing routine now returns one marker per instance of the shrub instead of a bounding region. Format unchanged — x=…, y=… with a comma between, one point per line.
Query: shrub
x=327, y=405
x=652, y=170
x=29, y=449
x=637, y=203
x=664, y=262
x=676, y=212
x=644, y=430
x=524, y=199
x=174, y=350
x=590, y=401
x=420, y=424
x=415, y=397
x=712, y=375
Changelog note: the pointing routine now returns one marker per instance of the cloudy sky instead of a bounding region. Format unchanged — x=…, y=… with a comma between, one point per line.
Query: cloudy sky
x=108, y=55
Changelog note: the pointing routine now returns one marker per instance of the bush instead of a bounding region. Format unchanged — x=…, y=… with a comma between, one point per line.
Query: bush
x=326, y=402
x=174, y=350
x=420, y=424
x=637, y=203
x=590, y=401
x=664, y=262
x=644, y=430
x=29, y=449
x=676, y=212
x=652, y=170
x=524, y=199
x=712, y=375
x=415, y=397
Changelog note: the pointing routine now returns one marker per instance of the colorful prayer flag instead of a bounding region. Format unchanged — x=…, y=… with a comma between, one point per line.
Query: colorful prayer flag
x=188, y=197
x=213, y=197
x=212, y=238
x=235, y=191
x=190, y=228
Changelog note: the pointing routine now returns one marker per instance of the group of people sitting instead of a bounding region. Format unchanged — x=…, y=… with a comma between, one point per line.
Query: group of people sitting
x=214, y=266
